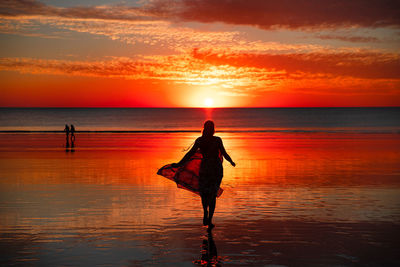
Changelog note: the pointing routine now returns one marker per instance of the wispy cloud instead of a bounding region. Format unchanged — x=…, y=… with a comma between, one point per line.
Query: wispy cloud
x=163, y=34
x=364, y=64
x=153, y=23
x=13, y=8
x=160, y=33
x=290, y=14
x=237, y=74
x=178, y=69
x=355, y=39
x=265, y=14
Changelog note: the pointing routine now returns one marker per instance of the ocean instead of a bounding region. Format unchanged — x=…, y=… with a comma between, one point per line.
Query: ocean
x=377, y=120
x=311, y=187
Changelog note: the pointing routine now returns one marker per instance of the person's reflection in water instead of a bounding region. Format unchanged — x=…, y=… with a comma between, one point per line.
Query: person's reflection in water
x=67, y=146
x=209, y=254
x=73, y=145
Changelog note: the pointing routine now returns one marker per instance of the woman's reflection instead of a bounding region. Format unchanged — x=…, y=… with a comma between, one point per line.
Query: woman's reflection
x=209, y=254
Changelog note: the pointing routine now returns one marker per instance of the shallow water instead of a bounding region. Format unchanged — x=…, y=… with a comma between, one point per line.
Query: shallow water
x=294, y=199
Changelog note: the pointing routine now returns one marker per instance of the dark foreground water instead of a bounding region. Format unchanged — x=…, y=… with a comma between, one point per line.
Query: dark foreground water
x=294, y=199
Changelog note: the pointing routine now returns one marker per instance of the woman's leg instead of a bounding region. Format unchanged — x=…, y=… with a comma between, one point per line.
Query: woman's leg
x=204, y=202
x=213, y=200
x=211, y=209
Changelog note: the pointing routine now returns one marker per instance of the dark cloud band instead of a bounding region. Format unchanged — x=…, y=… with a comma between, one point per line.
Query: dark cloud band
x=266, y=14
x=292, y=14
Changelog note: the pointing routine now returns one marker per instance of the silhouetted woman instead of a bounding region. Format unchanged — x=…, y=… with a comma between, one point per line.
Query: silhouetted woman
x=211, y=172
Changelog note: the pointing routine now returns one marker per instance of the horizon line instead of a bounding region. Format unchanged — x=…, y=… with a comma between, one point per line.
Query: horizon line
x=95, y=107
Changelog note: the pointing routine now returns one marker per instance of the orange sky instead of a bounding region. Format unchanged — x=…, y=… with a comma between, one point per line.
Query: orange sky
x=178, y=53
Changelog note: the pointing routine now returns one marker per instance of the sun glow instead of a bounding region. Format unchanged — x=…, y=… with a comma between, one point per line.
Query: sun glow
x=208, y=102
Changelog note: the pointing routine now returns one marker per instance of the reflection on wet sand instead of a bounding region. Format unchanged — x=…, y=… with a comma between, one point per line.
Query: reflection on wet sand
x=293, y=199
x=209, y=253
x=68, y=147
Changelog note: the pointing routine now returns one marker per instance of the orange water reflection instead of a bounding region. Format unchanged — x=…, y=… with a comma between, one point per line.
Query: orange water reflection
x=109, y=186
x=286, y=164
x=282, y=159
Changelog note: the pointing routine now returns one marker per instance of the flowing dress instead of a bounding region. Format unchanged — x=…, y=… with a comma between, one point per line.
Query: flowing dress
x=201, y=171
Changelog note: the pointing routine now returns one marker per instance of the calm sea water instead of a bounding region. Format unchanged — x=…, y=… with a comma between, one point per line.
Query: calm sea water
x=312, y=187
x=191, y=119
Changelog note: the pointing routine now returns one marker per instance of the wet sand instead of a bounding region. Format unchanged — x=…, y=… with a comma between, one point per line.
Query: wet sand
x=305, y=199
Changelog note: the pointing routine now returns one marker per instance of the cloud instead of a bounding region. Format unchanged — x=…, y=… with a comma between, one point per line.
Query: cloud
x=360, y=64
x=26, y=28
x=292, y=14
x=127, y=24
x=148, y=32
x=238, y=75
x=179, y=69
x=153, y=24
x=156, y=33
x=10, y=8
x=354, y=39
x=266, y=14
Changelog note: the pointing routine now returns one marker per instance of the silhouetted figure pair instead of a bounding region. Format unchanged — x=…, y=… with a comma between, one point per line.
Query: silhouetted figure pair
x=211, y=171
x=70, y=135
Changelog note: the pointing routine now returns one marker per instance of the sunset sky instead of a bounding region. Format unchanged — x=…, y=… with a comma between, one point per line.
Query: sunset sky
x=194, y=53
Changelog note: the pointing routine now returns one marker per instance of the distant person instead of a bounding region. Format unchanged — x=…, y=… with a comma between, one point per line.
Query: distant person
x=67, y=130
x=72, y=133
x=206, y=178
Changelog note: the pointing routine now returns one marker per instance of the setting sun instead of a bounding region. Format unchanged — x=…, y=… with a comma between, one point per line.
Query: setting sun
x=208, y=102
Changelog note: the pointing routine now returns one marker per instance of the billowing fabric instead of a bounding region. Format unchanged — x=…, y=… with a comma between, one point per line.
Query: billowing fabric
x=196, y=175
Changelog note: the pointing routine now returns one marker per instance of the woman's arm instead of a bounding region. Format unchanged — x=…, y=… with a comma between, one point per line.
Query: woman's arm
x=190, y=153
x=223, y=151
